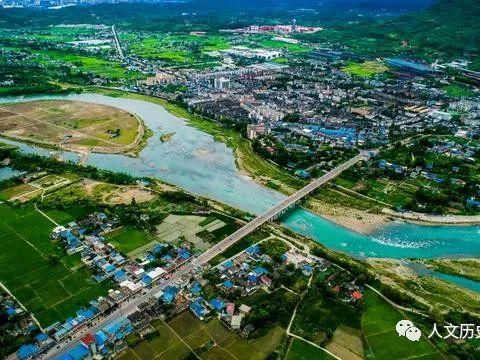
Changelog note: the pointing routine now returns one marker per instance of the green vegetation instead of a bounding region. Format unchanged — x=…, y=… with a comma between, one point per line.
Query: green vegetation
x=431, y=180
x=128, y=239
x=459, y=91
x=212, y=340
x=300, y=350
x=378, y=323
x=444, y=31
x=467, y=268
x=184, y=50
x=51, y=291
x=365, y=69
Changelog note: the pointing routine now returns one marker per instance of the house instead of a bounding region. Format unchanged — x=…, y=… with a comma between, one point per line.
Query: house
x=79, y=352
x=196, y=288
x=230, y=309
x=244, y=309
x=236, y=322
x=227, y=285
x=253, y=250
x=27, y=351
x=307, y=270
x=259, y=271
x=198, y=308
x=120, y=276
x=118, y=329
x=169, y=294
x=218, y=304
x=265, y=280
x=356, y=295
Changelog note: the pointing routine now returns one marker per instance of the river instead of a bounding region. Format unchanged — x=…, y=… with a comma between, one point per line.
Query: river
x=196, y=162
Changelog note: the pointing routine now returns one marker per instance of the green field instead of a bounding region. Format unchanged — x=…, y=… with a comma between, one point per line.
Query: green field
x=378, y=323
x=366, y=69
x=279, y=45
x=459, y=91
x=95, y=65
x=210, y=340
x=184, y=50
x=128, y=239
x=300, y=350
x=50, y=291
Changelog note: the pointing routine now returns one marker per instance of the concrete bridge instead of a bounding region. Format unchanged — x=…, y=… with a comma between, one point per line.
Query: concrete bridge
x=279, y=209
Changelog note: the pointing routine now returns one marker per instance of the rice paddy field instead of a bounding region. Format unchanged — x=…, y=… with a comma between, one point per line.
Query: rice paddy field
x=300, y=350
x=383, y=342
x=73, y=124
x=186, y=334
x=51, y=290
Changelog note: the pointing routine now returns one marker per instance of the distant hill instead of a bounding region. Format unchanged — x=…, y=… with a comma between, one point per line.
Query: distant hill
x=448, y=29
x=215, y=13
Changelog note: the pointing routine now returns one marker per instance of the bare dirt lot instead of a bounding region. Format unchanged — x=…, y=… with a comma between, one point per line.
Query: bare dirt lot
x=74, y=125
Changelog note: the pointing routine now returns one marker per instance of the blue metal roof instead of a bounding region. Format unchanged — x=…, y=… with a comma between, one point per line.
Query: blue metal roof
x=196, y=288
x=217, y=304
x=254, y=249
x=41, y=337
x=100, y=338
x=227, y=264
x=198, y=308
x=228, y=284
x=27, y=351
x=259, y=270
x=79, y=352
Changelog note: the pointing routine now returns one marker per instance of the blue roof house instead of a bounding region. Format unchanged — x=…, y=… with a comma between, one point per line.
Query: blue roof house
x=253, y=250
x=218, y=304
x=227, y=284
x=198, y=309
x=120, y=275
x=27, y=351
x=169, y=294
x=196, y=288
x=259, y=271
x=118, y=329
x=79, y=352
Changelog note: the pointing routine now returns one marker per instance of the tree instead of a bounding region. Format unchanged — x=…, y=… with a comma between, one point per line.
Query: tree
x=53, y=259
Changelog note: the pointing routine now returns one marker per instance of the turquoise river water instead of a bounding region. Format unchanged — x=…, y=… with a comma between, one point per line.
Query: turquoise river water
x=193, y=160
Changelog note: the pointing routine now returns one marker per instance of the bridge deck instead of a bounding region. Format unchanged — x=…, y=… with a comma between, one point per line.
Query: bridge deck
x=277, y=209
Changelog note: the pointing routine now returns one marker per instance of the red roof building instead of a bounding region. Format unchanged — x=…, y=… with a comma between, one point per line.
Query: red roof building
x=357, y=295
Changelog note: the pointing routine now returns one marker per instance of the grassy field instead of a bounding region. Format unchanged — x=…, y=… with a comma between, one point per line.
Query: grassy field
x=211, y=340
x=89, y=64
x=50, y=291
x=378, y=323
x=366, y=69
x=300, y=350
x=70, y=123
x=178, y=50
x=279, y=45
x=459, y=91
x=128, y=239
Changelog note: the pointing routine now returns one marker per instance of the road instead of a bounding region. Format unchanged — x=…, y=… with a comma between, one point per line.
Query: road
x=131, y=305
